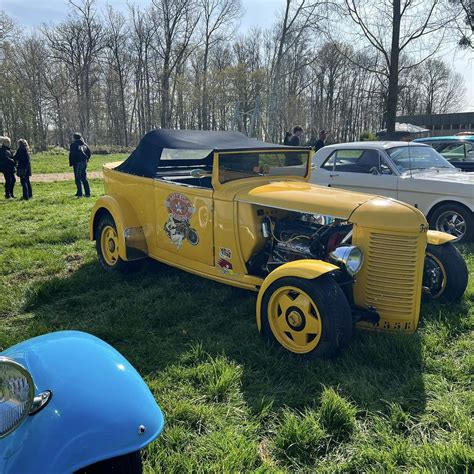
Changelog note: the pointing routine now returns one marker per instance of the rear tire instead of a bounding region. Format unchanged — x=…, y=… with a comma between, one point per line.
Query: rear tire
x=455, y=220
x=445, y=272
x=310, y=318
x=107, y=247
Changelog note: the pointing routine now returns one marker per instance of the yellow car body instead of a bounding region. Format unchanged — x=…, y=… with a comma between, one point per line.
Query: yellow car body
x=220, y=229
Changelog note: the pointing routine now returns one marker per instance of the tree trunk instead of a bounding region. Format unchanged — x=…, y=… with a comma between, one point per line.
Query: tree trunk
x=392, y=101
x=165, y=92
x=205, y=98
x=275, y=82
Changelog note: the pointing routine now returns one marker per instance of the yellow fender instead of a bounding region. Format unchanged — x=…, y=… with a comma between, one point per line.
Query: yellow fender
x=439, y=238
x=308, y=269
x=123, y=215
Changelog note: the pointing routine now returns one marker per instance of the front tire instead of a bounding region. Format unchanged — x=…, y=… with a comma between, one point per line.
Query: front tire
x=127, y=464
x=455, y=220
x=107, y=247
x=445, y=273
x=310, y=318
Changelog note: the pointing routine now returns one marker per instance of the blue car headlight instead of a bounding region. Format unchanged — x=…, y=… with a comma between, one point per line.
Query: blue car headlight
x=16, y=395
x=350, y=256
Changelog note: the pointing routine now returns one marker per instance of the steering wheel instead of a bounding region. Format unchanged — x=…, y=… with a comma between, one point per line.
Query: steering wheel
x=374, y=170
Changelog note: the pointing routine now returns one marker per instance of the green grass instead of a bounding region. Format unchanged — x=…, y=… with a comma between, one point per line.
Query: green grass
x=57, y=161
x=389, y=403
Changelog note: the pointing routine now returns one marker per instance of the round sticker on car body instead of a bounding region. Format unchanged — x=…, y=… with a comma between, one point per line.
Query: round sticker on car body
x=179, y=206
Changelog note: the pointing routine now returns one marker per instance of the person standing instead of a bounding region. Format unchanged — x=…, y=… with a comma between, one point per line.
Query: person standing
x=7, y=167
x=286, y=140
x=294, y=159
x=295, y=139
x=79, y=155
x=23, y=168
x=321, y=141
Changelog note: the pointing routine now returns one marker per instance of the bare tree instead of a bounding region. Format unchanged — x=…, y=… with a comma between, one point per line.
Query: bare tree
x=392, y=28
x=463, y=11
x=118, y=62
x=7, y=27
x=57, y=82
x=176, y=21
x=299, y=16
x=78, y=42
x=7, y=30
x=142, y=36
x=217, y=18
x=115, y=76
x=31, y=70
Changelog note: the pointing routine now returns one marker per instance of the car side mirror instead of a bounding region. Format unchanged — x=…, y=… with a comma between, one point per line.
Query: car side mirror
x=199, y=173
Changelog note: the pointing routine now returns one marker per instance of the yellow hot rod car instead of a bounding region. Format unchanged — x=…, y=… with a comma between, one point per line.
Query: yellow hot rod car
x=242, y=212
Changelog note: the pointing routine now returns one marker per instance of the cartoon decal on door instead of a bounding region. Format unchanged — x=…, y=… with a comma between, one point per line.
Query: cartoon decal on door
x=177, y=227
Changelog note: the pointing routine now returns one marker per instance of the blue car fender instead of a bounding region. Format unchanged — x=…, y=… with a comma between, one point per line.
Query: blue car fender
x=100, y=406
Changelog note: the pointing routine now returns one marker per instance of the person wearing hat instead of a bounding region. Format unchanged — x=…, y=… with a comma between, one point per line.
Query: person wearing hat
x=7, y=167
x=79, y=155
x=322, y=140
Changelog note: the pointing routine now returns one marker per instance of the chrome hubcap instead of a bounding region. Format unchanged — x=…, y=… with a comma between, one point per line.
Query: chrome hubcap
x=452, y=223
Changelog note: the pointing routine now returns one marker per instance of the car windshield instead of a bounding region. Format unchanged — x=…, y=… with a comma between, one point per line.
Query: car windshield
x=238, y=165
x=417, y=158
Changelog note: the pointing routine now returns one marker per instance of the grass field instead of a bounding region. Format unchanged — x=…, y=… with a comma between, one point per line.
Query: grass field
x=232, y=403
x=57, y=161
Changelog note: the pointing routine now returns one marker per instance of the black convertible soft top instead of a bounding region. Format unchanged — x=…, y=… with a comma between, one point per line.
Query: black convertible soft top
x=147, y=157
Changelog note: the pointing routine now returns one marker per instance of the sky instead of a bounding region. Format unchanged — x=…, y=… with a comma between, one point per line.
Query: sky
x=260, y=13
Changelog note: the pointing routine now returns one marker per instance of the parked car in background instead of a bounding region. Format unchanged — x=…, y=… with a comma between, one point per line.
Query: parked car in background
x=413, y=173
x=458, y=150
x=242, y=212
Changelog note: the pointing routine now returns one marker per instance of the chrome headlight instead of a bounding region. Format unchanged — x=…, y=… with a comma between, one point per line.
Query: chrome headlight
x=16, y=395
x=350, y=256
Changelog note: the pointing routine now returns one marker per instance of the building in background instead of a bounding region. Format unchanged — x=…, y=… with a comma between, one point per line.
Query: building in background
x=442, y=124
x=404, y=132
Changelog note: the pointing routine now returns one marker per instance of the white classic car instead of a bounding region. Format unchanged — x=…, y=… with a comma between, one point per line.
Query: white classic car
x=413, y=173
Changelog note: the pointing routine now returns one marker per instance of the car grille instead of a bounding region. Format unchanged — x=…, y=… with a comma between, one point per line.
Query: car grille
x=392, y=279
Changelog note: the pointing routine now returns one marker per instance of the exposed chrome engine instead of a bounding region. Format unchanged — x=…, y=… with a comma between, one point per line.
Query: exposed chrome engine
x=298, y=236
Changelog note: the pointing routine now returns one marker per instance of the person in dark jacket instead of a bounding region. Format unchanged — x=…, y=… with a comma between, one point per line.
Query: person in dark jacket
x=322, y=140
x=287, y=138
x=23, y=168
x=295, y=139
x=79, y=154
x=7, y=167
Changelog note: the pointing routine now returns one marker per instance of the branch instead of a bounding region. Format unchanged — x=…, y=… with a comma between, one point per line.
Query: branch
x=373, y=40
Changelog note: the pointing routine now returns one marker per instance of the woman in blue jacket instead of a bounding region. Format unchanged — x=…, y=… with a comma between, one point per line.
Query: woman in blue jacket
x=23, y=168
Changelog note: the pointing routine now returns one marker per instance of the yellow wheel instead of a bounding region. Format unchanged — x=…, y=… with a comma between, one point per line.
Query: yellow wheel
x=109, y=245
x=306, y=317
x=294, y=319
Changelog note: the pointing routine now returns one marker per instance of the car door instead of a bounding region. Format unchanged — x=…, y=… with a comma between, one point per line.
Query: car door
x=184, y=222
x=362, y=170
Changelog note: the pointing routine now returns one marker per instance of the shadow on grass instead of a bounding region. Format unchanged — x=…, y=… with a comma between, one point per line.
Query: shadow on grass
x=155, y=315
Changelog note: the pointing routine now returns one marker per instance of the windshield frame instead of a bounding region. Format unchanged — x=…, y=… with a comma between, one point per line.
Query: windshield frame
x=304, y=151
x=403, y=171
